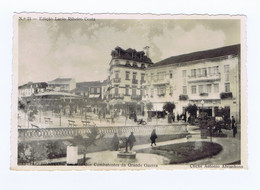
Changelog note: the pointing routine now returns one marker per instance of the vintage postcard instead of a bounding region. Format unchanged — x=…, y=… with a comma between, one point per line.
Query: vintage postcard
x=129, y=92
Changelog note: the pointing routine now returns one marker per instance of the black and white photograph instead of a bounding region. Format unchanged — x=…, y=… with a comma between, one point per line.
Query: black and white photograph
x=129, y=92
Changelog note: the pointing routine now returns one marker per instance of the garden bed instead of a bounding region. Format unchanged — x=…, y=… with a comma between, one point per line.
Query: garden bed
x=185, y=152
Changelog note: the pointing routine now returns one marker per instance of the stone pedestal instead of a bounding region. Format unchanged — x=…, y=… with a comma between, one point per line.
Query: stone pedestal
x=72, y=155
x=130, y=155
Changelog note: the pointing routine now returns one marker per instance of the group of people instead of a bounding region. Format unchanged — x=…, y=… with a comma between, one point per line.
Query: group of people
x=131, y=140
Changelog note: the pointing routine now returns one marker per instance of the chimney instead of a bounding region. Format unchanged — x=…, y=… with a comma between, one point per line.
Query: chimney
x=146, y=51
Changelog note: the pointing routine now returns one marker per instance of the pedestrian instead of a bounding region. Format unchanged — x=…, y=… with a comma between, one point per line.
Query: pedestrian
x=234, y=127
x=131, y=140
x=153, y=137
x=115, y=142
x=135, y=117
x=178, y=117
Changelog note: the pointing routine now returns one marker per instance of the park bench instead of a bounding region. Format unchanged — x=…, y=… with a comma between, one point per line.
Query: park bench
x=72, y=123
x=35, y=126
x=85, y=123
x=48, y=120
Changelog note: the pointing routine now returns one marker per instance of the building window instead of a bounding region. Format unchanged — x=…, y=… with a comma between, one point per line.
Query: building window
x=208, y=88
x=98, y=90
x=209, y=70
x=134, y=76
x=171, y=90
x=199, y=72
x=116, y=90
x=127, y=90
x=116, y=74
x=200, y=88
x=204, y=72
x=142, y=76
x=127, y=63
x=184, y=73
x=161, y=91
x=226, y=71
x=227, y=87
x=215, y=70
x=184, y=89
x=117, y=62
x=193, y=72
x=226, y=68
x=127, y=75
x=143, y=66
x=161, y=75
x=92, y=90
x=133, y=91
x=152, y=91
x=216, y=88
x=193, y=89
x=135, y=64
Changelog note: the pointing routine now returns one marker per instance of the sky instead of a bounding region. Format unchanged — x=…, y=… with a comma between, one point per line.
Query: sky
x=81, y=49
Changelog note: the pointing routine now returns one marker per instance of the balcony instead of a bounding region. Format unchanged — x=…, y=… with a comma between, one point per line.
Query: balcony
x=183, y=97
x=204, y=94
x=136, y=97
x=134, y=81
x=117, y=80
x=204, y=78
x=160, y=81
x=116, y=96
x=161, y=95
x=226, y=95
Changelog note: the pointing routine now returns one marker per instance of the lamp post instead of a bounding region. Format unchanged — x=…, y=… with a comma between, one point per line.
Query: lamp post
x=60, y=106
x=202, y=103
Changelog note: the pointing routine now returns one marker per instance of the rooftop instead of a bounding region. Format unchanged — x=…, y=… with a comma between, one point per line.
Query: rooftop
x=130, y=54
x=213, y=53
x=60, y=80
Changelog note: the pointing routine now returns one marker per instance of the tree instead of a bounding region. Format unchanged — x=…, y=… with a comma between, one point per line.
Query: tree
x=149, y=107
x=84, y=143
x=169, y=107
x=192, y=110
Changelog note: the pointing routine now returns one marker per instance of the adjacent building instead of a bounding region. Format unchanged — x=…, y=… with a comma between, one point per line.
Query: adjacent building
x=89, y=90
x=31, y=88
x=62, y=84
x=210, y=79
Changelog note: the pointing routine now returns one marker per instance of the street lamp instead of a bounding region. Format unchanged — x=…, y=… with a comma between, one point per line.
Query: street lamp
x=202, y=103
x=60, y=106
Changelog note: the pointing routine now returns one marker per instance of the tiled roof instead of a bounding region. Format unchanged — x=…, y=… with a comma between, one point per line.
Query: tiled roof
x=130, y=54
x=38, y=84
x=88, y=84
x=60, y=80
x=213, y=53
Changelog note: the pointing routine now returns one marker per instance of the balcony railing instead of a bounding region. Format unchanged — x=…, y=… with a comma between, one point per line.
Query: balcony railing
x=136, y=97
x=208, y=77
x=183, y=97
x=160, y=81
x=134, y=81
x=226, y=95
x=116, y=96
x=204, y=94
x=117, y=80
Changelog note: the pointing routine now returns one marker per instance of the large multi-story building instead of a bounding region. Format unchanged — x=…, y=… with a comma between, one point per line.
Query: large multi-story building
x=210, y=79
x=126, y=75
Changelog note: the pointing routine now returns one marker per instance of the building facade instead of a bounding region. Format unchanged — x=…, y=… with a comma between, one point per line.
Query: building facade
x=210, y=79
x=89, y=90
x=62, y=84
x=30, y=88
x=126, y=75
